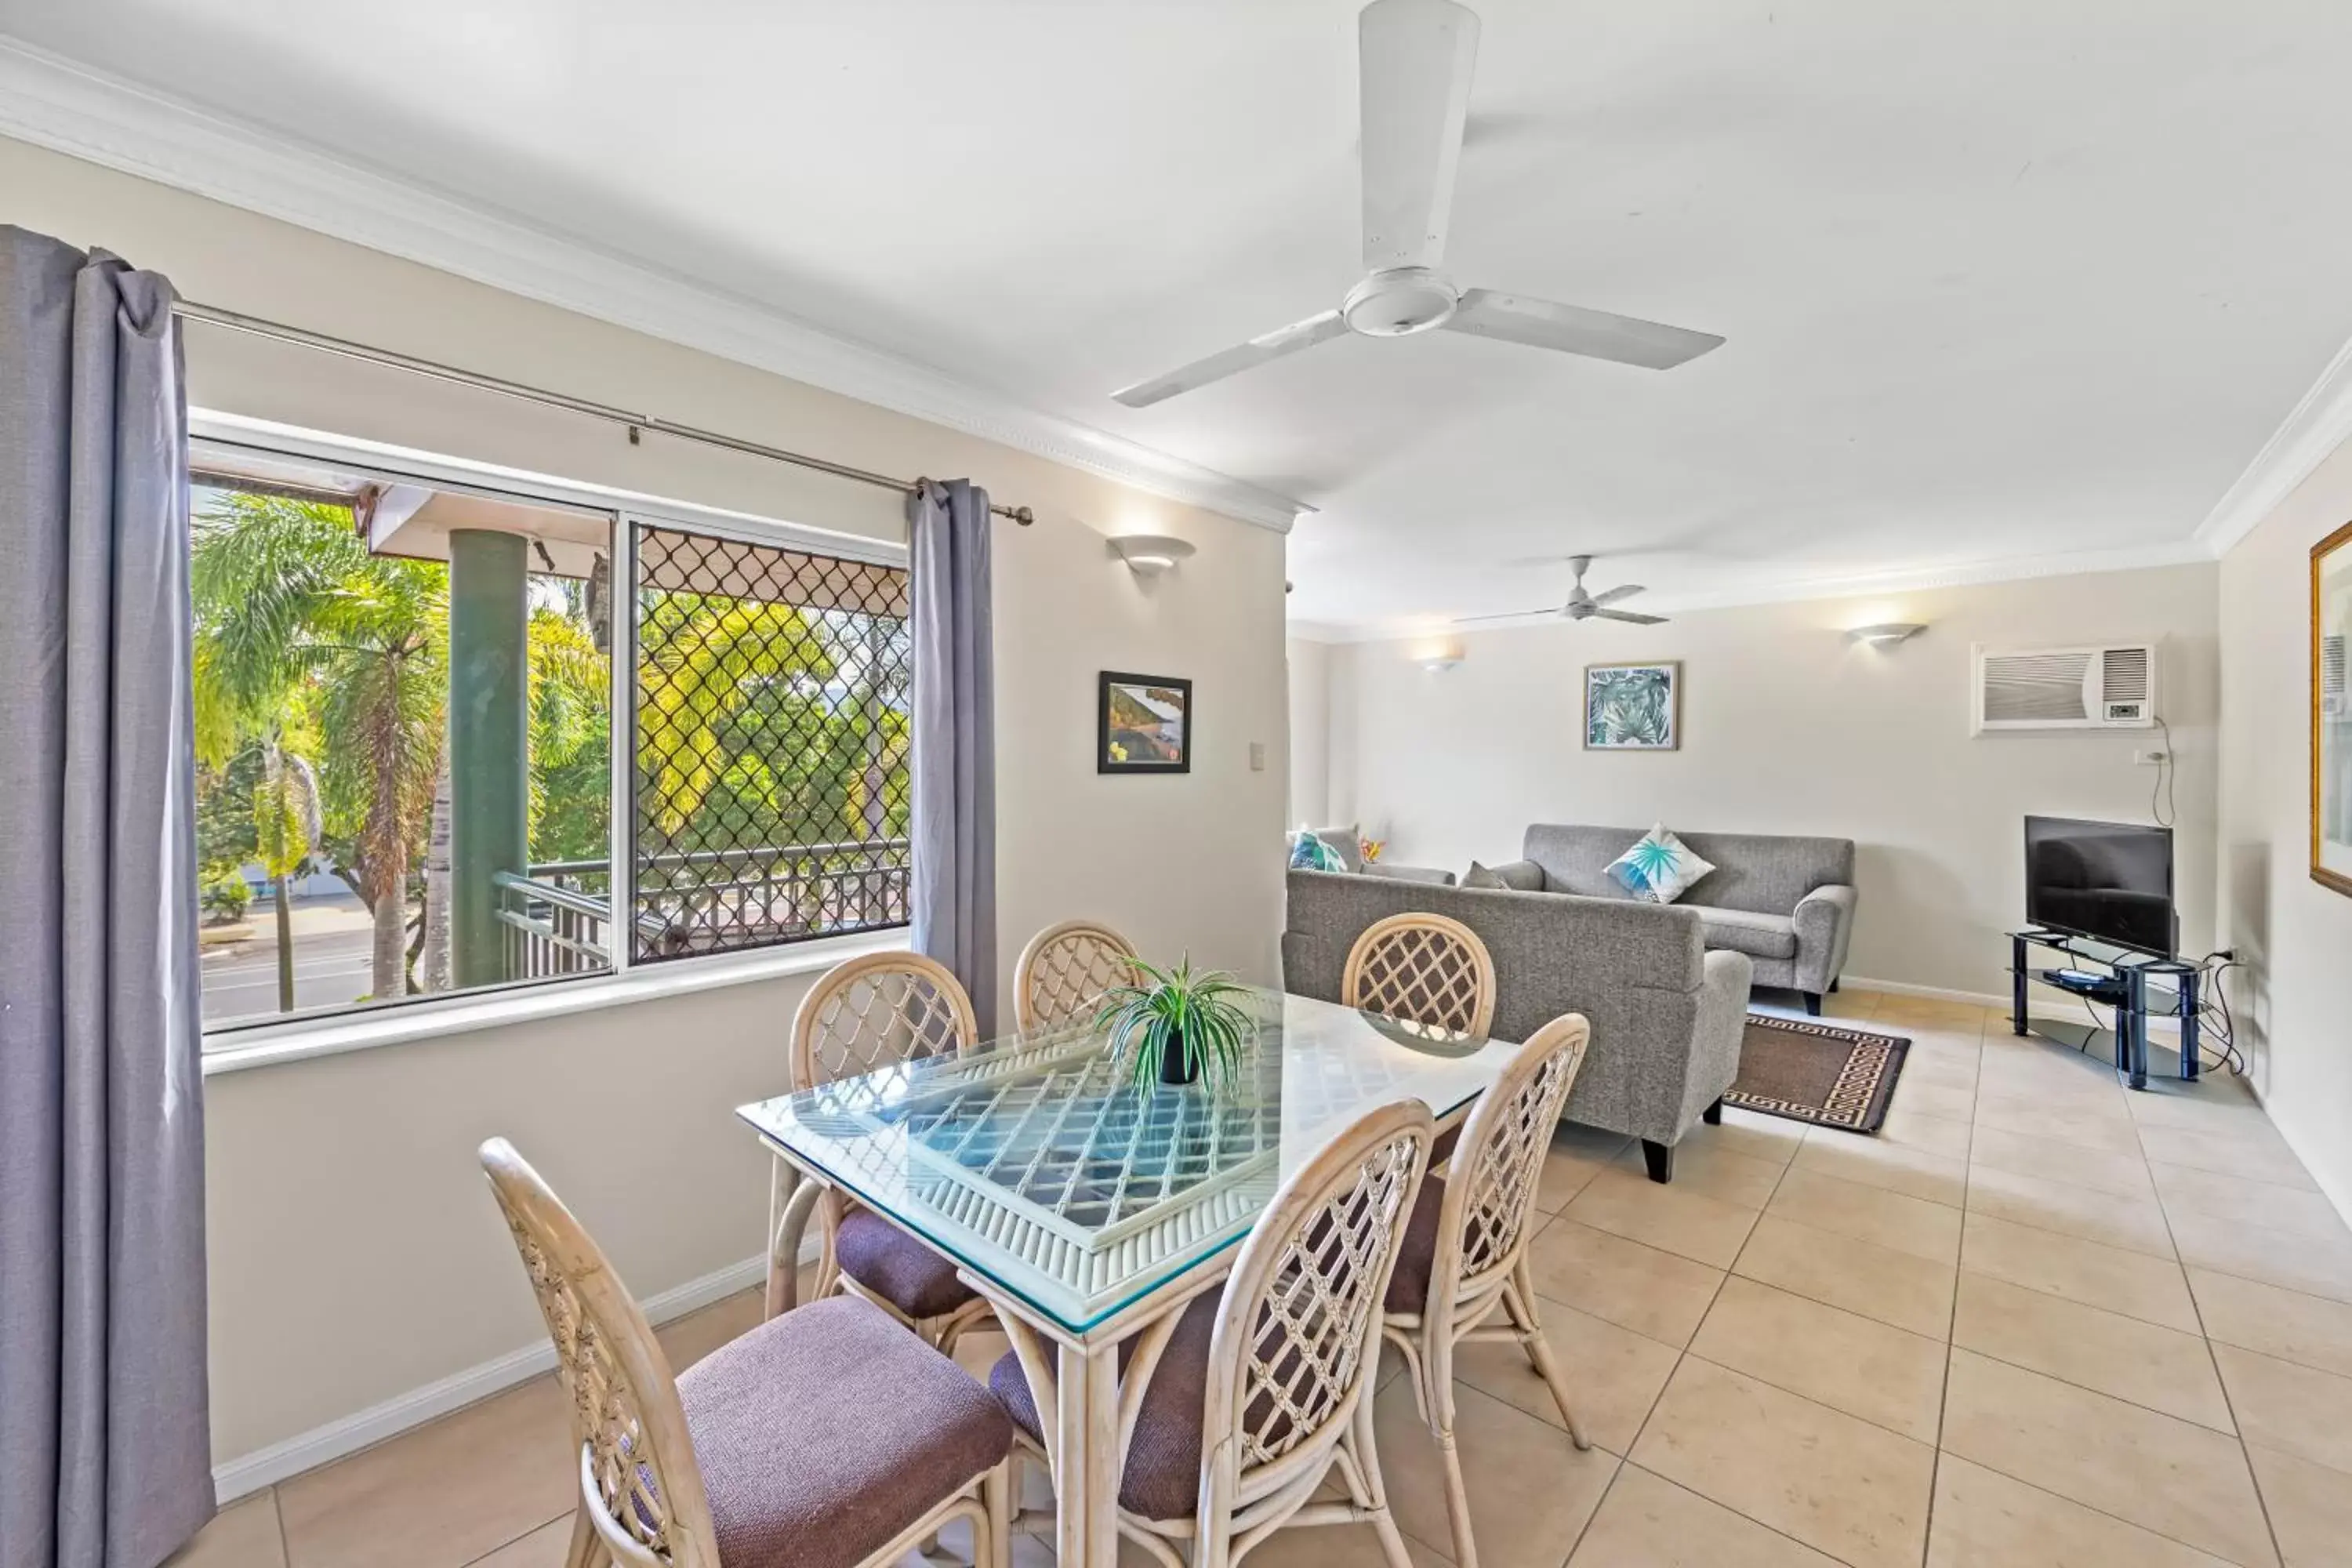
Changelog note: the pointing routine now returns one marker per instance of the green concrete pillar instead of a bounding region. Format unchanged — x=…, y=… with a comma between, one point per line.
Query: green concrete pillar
x=489, y=760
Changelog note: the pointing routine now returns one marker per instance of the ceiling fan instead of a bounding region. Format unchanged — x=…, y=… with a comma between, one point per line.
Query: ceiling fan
x=1415, y=58
x=1582, y=606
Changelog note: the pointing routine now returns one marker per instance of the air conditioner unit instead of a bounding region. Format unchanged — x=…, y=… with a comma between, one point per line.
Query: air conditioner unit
x=2111, y=688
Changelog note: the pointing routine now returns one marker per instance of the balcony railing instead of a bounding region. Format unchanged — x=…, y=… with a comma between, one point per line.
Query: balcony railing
x=557, y=918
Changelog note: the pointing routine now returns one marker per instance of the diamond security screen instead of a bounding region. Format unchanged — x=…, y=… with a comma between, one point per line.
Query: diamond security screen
x=770, y=799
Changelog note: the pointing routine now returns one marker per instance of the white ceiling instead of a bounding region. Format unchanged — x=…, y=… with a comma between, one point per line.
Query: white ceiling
x=2004, y=281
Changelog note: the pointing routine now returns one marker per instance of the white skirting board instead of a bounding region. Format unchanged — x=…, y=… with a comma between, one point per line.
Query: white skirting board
x=322, y=1445
x=1904, y=988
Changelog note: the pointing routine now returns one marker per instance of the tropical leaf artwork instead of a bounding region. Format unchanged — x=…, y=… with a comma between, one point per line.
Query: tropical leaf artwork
x=1630, y=707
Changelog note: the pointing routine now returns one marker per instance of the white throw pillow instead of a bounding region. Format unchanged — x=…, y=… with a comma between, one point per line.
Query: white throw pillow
x=1660, y=867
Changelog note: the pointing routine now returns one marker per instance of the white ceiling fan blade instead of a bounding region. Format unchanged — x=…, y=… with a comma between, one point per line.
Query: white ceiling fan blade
x=1610, y=595
x=1628, y=615
x=1272, y=345
x=1414, y=59
x=1572, y=329
x=1509, y=615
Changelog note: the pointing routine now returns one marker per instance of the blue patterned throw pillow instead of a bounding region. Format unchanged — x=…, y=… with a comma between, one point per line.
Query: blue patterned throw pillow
x=1660, y=867
x=1309, y=853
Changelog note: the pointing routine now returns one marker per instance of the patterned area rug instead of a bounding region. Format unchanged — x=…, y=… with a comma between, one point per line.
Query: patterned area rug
x=1816, y=1072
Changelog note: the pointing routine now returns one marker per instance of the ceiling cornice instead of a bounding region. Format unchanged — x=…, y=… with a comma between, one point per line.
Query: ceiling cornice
x=56, y=104
x=2319, y=423
x=1968, y=574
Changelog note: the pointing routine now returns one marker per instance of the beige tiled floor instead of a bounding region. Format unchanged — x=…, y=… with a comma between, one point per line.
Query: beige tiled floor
x=2038, y=1320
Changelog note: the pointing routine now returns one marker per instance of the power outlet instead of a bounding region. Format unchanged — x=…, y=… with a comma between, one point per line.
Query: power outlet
x=2151, y=758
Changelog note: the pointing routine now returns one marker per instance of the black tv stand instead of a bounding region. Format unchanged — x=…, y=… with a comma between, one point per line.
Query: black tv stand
x=2138, y=986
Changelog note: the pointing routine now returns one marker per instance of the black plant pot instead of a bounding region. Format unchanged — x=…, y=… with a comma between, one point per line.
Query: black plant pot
x=1176, y=1064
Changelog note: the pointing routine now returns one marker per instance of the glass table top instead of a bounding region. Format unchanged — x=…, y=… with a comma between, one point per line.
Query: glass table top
x=1035, y=1162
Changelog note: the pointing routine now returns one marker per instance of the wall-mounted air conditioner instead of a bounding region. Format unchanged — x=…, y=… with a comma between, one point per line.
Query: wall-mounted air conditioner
x=2111, y=688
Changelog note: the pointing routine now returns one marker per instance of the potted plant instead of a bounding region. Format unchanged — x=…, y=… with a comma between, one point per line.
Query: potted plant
x=1171, y=1025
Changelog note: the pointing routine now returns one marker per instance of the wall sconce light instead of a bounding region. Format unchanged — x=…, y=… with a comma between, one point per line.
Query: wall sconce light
x=1149, y=554
x=1436, y=654
x=1886, y=634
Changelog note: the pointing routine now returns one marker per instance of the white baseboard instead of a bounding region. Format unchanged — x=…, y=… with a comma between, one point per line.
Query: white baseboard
x=1938, y=993
x=336, y=1439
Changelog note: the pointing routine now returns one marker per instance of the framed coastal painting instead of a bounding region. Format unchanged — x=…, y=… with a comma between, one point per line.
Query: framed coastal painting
x=1143, y=724
x=1634, y=706
x=2331, y=710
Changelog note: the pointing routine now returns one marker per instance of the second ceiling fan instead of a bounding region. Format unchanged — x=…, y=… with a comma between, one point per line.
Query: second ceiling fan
x=1415, y=59
x=1581, y=604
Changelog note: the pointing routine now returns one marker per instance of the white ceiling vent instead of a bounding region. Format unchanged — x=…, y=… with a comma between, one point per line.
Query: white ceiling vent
x=2110, y=688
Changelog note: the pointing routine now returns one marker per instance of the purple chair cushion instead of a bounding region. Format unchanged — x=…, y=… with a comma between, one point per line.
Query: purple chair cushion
x=1164, y=1461
x=825, y=1433
x=897, y=1268
x=1409, y=1286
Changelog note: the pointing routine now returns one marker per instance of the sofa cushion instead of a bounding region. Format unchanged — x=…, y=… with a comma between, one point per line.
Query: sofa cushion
x=1659, y=867
x=1742, y=931
x=1478, y=876
x=1309, y=853
x=1347, y=843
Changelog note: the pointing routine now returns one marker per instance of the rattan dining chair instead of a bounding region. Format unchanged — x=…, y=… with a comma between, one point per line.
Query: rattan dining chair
x=1424, y=969
x=828, y=1437
x=1465, y=1249
x=1233, y=1411
x=865, y=1013
x=1065, y=970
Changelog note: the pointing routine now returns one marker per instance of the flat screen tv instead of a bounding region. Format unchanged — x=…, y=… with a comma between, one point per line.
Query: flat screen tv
x=2110, y=882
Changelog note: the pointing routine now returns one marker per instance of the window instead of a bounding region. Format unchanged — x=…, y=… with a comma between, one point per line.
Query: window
x=408, y=744
x=771, y=790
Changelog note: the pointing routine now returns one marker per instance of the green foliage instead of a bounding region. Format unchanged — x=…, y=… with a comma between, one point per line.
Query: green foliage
x=1193, y=1012
x=225, y=897
x=571, y=802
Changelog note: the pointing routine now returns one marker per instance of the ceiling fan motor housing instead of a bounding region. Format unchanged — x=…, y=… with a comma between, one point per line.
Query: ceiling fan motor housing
x=1398, y=301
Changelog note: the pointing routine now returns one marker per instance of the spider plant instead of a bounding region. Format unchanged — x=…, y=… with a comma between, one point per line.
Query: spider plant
x=1172, y=1026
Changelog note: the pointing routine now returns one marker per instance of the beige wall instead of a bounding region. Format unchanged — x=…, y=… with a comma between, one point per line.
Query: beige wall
x=354, y=1253
x=1790, y=728
x=2293, y=935
x=1310, y=732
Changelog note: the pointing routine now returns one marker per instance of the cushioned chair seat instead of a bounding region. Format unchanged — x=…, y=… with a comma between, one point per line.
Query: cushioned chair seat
x=899, y=1268
x=1744, y=930
x=822, y=1434
x=1164, y=1461
x=1409, y=1286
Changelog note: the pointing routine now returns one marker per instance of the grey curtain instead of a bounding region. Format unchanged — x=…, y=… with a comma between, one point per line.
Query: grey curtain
x=105, y=1456
x=955, y=737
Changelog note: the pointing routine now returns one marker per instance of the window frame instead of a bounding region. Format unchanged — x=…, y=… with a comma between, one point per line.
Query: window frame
x=238, y=1046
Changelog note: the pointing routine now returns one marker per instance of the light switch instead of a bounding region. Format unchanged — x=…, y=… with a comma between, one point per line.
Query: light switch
x=1257, y=756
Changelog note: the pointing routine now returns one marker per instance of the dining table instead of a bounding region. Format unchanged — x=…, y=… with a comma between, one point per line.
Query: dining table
x=1087, y=1208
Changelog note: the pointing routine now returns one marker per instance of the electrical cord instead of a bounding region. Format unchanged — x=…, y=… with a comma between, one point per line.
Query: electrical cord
x=2217, y=1024
x=2163, y=785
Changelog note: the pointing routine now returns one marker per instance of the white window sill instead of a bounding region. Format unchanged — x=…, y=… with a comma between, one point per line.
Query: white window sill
x=270, y=1045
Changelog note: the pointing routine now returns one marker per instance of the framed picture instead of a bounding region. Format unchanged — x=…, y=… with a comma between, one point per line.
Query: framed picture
x=1634, y=706
x=2331, y=710
x=1143, y=724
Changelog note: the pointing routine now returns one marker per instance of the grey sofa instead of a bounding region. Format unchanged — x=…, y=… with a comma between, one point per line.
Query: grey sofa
x=1786, y=902
x=1668, y=1016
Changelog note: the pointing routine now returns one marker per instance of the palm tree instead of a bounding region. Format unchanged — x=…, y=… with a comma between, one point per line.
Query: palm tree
x=292, y=610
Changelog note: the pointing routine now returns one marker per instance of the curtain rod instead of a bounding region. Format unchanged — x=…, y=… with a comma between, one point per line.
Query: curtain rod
x=636, y=423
